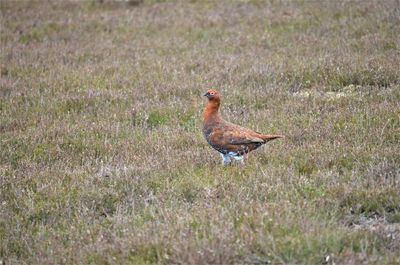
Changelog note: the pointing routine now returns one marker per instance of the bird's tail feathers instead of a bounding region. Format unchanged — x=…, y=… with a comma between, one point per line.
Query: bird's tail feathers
x=270, y=137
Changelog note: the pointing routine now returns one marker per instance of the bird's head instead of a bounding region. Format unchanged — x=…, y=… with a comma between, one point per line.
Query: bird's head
x=212, y=94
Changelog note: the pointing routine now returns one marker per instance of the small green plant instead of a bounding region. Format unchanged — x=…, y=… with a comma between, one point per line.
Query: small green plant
x=188, y=122
x=156, y=118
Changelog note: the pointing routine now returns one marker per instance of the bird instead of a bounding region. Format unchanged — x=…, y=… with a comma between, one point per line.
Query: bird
x=230, y=140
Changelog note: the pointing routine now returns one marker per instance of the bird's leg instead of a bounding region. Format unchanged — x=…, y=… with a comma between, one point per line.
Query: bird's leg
x=245, y=157
x=226, y=160
x=240, y=160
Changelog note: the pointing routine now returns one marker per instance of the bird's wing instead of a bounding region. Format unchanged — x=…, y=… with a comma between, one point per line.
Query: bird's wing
x=241, y=137
x=234, y=134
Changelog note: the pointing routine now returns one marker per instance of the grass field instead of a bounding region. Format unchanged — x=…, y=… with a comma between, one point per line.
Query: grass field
x=102, y=159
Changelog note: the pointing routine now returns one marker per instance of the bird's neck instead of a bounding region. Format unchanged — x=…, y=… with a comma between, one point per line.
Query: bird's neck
x=211, y=111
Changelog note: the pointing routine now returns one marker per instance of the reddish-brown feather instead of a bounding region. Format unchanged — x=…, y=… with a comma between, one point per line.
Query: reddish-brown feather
x=226, y=137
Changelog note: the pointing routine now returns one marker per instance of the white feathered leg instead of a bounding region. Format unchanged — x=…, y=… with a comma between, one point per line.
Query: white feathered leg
x=239, y=159
x=226, y=160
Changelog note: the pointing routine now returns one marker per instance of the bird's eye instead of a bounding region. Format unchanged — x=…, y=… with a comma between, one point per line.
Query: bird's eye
x=212, y=93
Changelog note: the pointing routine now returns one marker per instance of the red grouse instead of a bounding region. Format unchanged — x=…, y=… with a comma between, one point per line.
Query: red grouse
x=230, y=140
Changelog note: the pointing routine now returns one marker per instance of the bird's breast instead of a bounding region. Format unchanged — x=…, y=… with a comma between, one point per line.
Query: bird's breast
x=207, y=132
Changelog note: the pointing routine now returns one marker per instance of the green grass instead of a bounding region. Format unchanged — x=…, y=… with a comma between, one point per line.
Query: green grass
x=102, y=159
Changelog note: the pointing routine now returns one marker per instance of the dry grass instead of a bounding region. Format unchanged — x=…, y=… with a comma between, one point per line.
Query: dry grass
x=102, y=160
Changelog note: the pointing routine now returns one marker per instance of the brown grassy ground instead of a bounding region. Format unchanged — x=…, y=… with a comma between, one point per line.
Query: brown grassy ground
x=102, y=160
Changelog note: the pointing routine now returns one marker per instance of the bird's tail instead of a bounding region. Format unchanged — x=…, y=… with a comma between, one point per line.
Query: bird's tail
x=270, y=137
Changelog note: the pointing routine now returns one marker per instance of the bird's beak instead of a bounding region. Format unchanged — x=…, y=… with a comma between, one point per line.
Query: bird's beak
x=206, y=94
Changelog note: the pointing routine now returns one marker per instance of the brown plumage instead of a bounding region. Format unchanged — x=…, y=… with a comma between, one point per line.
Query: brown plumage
x=230, y=140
